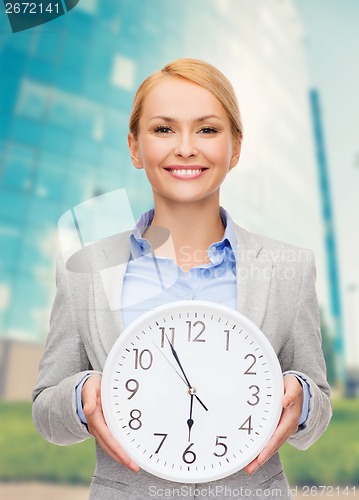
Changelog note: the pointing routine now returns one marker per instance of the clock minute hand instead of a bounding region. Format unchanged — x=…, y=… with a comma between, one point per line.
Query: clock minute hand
x=179, y=363
x=171, y=365
x=175, y=355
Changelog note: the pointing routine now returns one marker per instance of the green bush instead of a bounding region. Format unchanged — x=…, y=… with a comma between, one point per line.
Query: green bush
x=334, y=458
x=26, y=456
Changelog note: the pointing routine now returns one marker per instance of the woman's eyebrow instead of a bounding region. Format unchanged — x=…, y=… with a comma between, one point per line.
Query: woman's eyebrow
x=206, y=117
x=166, y=119
x=169, y=119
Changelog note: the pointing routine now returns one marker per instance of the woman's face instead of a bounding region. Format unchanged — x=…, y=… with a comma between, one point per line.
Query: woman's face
x=184, y=142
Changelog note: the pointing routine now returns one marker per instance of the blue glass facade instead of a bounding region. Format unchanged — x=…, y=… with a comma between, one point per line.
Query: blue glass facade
x=66, y=93
x=66, y=90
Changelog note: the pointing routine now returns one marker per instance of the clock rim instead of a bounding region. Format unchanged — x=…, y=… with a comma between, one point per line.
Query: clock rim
x=123, y=339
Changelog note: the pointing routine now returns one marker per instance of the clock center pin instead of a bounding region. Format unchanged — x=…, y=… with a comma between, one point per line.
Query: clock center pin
x=192, y=391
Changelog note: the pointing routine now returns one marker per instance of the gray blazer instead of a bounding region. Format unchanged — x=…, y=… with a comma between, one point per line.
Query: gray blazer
x=275, y=289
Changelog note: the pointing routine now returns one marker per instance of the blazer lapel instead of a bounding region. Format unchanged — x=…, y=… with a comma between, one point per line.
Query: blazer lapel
x=109, y=265
x=254, y=271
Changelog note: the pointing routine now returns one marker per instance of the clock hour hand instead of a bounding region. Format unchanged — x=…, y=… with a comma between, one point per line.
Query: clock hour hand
x=190, y=421
x=204, y=406
x=175, y=355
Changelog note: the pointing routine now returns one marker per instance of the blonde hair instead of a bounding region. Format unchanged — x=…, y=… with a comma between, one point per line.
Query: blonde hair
x=199, y=72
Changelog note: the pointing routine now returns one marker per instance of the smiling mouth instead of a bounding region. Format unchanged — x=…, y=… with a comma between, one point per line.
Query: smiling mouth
x=185, y=172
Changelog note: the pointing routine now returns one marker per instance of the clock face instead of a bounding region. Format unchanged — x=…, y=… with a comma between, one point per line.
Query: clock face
x=192, y=391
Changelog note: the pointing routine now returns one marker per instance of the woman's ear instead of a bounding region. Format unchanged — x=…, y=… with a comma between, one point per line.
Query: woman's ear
x=133, y=147
x=236, y=153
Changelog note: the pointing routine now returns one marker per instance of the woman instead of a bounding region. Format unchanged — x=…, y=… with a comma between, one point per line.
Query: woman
x=186, y=133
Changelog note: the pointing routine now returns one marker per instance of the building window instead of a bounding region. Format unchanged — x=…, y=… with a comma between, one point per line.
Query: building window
x=123, y=72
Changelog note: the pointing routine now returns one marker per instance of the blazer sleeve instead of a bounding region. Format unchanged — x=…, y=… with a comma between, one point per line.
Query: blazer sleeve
x=304, y=350
x=62, y=367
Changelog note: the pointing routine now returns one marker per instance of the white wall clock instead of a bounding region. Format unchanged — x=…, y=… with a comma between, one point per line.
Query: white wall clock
x=192, y=391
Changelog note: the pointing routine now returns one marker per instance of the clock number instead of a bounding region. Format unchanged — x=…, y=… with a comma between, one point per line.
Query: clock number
x=163, y=334
x=248, y=372
x=162, y=440
x=189, y=456
x=196, y=339
x=140, y=359
x=247, y=428
x=225, y=448
x=227, y=340
x=254, y=395
x=138, y=424
x=127, y=385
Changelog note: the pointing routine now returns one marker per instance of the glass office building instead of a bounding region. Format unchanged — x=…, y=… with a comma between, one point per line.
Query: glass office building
x=66, y=92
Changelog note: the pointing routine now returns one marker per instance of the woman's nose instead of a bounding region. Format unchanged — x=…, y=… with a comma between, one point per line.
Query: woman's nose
x=185, y=146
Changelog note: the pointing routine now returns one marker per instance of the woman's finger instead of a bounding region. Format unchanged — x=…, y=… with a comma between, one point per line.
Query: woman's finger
x=292, y=390
x=90, y=393
x=91, y=398
x=288, y=423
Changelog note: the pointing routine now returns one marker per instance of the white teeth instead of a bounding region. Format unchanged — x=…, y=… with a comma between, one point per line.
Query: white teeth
x=187, y=171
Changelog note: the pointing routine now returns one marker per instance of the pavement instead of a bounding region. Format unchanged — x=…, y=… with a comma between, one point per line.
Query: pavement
x=42, y=491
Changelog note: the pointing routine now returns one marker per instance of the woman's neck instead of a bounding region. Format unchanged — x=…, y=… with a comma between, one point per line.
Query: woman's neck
x=193, y=227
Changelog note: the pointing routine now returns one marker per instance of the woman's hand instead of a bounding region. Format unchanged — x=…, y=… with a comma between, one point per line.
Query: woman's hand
x=91, y=402
x=292, y=403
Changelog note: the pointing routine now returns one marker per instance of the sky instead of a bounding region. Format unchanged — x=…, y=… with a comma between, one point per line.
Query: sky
x=331, y=36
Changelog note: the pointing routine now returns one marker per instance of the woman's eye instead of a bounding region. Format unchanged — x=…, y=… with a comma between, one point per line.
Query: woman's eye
x=208, y=130
x=163, y=130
